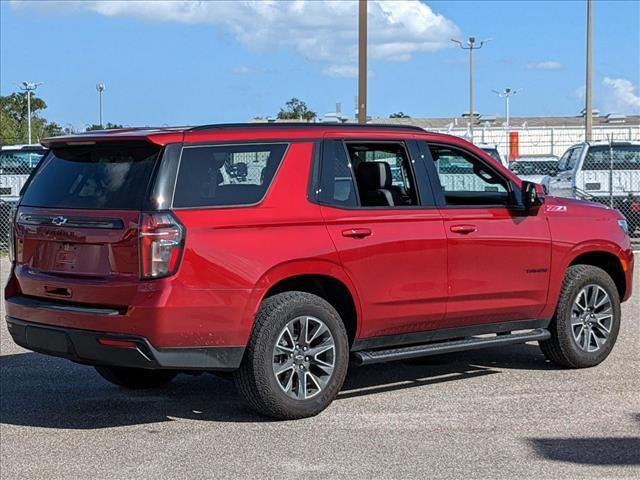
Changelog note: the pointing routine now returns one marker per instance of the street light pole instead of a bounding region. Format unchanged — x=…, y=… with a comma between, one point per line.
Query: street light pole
x=29, y=87
x=471, y=46
x=100, y=88
x=588, y=118
x=507, y=93
x=362, y=61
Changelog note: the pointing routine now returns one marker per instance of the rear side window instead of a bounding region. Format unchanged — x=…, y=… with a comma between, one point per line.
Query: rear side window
x=619, y=157
x=94, y=177
x=336, y=182
x=212, y=176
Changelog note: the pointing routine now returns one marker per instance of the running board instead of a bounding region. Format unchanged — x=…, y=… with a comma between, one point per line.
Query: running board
x=367, y=357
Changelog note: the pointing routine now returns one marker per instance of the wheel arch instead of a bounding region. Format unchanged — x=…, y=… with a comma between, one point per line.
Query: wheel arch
x=323, y=278
x=607, y=261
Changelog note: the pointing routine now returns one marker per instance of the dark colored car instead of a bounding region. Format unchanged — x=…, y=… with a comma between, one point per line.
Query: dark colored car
x=147, y=253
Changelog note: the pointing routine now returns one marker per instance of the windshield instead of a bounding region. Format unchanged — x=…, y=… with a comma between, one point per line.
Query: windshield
x=19, y=161
x=532, y=167
x=94, y=177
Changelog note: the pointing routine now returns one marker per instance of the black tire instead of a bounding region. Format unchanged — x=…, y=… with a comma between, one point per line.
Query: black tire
x=561, y=349
x=136, y=378
x=255, y=379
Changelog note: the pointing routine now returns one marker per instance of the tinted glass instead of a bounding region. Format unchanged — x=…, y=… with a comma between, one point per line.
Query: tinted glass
x=336, y=180
x=101, y=177
x=619, y=157
x=226, y=175
x=381, y=189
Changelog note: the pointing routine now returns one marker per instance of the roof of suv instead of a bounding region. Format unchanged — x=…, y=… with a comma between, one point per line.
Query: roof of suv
x=164, y=135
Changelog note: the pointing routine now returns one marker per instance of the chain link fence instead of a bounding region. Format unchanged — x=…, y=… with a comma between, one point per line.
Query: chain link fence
x=606, y=171
x=15, y=167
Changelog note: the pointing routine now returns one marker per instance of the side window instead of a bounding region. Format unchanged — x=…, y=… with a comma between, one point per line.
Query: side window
x=466, y=180
x=337, y=186
x=226, y=175
x=569, y=159
x=383, y=173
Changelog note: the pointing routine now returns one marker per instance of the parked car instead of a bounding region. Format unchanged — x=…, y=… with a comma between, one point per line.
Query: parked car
x=492, y=150
x=536, y=168
x=602, y=172
x=134, y=253
x=16, y=164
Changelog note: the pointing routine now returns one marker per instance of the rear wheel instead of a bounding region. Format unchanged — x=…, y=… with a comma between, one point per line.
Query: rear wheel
x=296, y=359
x=136, y=378
x=587, y=320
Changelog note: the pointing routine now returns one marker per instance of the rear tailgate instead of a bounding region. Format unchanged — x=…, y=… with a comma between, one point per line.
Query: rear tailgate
x=77, y=225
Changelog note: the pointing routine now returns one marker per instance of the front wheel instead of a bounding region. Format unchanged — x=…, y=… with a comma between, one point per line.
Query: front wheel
x=587, y=320
x=136, y=378
x=297, y=357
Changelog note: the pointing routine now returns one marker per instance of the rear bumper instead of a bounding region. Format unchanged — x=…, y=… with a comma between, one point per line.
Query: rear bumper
x=83, y=346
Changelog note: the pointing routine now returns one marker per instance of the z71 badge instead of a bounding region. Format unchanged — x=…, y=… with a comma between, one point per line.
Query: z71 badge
x=556, y=208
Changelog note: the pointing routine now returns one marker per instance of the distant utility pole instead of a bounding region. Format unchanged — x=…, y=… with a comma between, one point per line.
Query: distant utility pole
x=29, y=87
x=362, y=61
x=471, y=46
x=588, y=118
x=100, y=88
x=507, y=93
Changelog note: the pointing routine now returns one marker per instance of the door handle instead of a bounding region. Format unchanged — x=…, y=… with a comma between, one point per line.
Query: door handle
x=463, y=229
x=356, y=232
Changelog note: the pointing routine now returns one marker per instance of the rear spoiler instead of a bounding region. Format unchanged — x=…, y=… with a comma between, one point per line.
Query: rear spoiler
x=159, y=137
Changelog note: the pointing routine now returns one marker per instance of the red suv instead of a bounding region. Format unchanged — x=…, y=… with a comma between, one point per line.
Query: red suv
x=277, y=252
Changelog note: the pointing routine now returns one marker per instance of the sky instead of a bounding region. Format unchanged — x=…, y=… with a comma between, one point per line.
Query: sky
x=194, y=62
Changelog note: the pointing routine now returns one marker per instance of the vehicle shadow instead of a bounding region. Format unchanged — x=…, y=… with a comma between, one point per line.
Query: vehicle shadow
x=41, y=391
x=600, y=451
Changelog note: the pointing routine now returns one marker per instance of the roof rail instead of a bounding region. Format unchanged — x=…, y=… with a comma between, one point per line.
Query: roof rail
x=381, y=126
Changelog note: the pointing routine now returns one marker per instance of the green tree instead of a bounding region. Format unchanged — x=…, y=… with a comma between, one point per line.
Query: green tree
x=108, y=126
x=399, y=115
x=14, y=122
x=296, y=109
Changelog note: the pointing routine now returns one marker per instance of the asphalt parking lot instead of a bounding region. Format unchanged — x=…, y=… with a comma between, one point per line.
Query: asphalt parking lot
x=500, y=413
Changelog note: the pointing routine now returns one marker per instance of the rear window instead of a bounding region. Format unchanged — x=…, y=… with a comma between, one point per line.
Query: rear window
x=226, y=175
x=619, y=157
x=94, y=177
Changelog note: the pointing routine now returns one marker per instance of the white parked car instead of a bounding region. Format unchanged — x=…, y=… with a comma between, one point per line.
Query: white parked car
x=16, y=164
x=536, y=168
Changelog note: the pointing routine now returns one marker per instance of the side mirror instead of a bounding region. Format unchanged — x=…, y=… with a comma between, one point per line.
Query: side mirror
x=531, y=196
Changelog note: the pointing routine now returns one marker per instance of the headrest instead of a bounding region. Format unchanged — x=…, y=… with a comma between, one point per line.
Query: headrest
x=374, y=175
x=219, y=159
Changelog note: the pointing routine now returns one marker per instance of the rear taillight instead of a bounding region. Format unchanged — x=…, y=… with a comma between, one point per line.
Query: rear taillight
x=161, y=242
x=12, y=238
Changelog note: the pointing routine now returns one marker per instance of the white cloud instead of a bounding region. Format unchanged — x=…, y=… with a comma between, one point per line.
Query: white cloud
x=244, y=70
x=344, y=71
x=546, y=65
x=321, y=31
x=620, y=96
